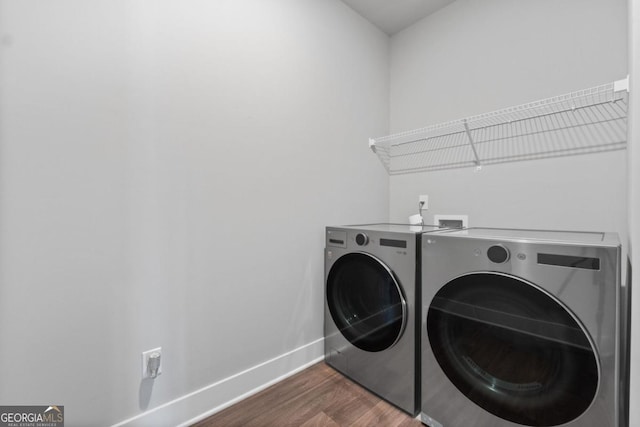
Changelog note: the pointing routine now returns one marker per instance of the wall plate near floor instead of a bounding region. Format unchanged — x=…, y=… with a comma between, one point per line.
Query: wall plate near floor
x=152, y=363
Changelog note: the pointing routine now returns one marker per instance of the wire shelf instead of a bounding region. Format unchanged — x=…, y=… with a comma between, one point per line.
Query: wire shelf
x=588, y=121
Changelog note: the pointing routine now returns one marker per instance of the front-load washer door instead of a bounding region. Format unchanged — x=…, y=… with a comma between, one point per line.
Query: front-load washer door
x=513, y=349
x=366, y=302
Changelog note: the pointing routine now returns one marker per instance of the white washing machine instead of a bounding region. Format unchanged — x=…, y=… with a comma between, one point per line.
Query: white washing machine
x=372, y=276
x=521, y=328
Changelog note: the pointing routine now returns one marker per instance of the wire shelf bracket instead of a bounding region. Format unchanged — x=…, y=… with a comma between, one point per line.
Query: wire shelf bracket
x=473, y=147
x=587, y=121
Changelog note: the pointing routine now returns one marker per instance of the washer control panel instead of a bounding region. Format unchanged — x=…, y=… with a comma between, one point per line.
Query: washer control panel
x=337, y=238
x=361, y=238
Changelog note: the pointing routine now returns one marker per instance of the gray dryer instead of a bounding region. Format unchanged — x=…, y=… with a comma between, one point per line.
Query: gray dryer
x=521, y=327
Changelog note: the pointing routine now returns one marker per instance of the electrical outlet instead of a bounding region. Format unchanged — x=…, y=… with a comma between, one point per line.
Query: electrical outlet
x=424, y=198
x=151, y=354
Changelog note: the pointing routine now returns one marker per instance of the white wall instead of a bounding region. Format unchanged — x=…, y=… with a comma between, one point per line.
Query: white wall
x=475, y=57
x=166, y=171
x=634, y=204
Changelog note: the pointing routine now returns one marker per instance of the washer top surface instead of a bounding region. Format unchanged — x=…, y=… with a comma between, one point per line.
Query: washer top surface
x=571, y=237
x=392, y=228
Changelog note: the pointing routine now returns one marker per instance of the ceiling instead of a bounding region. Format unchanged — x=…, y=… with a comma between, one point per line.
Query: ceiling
x=392, y=16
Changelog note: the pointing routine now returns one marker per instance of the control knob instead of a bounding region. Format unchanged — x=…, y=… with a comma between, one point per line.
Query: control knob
x=498, y=254
x=362, y=239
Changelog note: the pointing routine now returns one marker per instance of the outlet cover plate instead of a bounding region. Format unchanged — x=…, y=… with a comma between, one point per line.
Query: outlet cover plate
x=424, y=198
x=145, y=361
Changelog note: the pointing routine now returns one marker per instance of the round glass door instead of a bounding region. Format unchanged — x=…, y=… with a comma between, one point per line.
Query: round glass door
x=512, y=349
x=366, y=302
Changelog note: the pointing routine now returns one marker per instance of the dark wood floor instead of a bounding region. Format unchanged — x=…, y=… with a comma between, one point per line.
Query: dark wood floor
x=317, y=396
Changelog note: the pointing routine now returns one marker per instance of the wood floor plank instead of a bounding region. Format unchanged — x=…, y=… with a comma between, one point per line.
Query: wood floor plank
x=385, y=415
x=320, y=420
x=323, y=396
x=260, y=407
x=317, y=396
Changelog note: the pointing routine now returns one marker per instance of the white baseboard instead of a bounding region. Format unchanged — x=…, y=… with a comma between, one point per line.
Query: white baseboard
x=200, y=404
